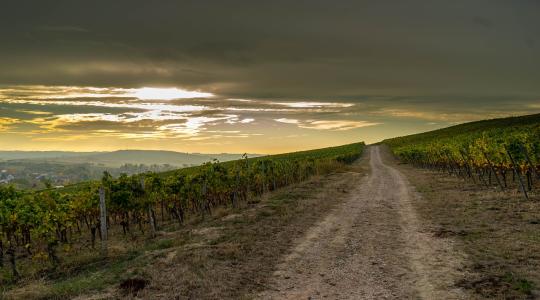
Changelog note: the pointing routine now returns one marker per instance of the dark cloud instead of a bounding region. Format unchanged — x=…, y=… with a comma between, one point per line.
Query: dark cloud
x=279, y=49
x=62, y=29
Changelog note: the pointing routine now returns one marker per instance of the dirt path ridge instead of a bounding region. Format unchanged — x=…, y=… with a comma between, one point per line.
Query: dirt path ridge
x=373, y=246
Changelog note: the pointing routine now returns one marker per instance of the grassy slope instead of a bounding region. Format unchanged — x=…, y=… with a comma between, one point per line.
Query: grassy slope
x=468, y=128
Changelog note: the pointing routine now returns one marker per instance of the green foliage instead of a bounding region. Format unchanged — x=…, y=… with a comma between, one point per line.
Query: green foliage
x=38, y=222
x=475, y=143
x=161, y=244
x=518, y=284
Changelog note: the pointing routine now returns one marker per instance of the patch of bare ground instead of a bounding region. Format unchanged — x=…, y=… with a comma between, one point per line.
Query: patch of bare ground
x=499, y=232
x=372, y=246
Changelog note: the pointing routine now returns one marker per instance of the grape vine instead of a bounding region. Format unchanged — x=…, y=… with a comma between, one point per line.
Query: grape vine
x=33, y=225
x=504, y=153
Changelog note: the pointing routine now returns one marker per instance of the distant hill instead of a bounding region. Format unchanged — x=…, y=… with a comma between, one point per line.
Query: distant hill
x=10, y=155
x=120, y=157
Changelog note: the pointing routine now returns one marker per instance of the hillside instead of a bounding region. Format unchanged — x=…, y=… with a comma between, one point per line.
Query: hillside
x=502, y=146
x=149, y=157
x=471, y=128
x=32, y=169
x=11, y=155
x=61, y=230
x=120, y=157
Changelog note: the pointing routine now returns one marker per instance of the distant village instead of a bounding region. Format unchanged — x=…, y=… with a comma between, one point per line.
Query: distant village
x=5, y=177
x=34, y=175
x=33, y=179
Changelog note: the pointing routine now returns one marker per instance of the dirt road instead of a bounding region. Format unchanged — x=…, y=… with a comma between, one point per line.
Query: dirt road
x=373, y=246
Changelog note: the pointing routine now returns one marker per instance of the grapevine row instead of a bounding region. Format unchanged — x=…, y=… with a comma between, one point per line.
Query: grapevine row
x=501, y=154
x=34, y=225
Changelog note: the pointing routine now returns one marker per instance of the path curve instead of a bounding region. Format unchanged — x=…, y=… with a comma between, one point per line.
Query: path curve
x=373, y=246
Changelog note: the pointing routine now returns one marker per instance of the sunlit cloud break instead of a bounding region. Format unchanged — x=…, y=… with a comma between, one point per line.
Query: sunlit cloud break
x=40, y=114
x=125, y=104
x=63, y=92
x=148, y=93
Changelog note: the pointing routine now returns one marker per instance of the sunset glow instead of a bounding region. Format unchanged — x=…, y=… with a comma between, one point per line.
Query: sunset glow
x=148, y=93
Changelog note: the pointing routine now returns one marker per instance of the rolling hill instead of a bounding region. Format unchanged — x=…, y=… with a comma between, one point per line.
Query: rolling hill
x=120, y=157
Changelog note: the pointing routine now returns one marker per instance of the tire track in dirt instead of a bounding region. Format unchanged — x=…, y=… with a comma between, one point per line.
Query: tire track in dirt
x=372, y=246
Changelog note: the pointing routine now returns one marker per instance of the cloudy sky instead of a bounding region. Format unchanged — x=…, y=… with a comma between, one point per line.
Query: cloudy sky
x=258, y=76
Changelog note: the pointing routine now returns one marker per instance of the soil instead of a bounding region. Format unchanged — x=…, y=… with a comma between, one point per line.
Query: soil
x=372, y=246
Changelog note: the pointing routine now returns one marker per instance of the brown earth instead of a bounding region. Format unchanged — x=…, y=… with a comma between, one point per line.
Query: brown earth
x=372, y=246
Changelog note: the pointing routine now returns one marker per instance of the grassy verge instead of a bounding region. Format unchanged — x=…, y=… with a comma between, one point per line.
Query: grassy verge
x=499, y=232
x=230, y=254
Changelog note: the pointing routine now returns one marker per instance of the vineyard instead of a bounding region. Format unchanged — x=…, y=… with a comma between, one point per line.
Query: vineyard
x=40, y=228
x=499, y=153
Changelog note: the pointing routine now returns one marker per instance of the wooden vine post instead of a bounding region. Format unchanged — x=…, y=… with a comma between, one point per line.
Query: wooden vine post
x=467, y=166
x=151, y=219
x=248, y=186
x=480, y=176
x=236, y=189
x=518, y=174
x=458, y=167
x=103, y=220
x=493, y=170
x=526, y=153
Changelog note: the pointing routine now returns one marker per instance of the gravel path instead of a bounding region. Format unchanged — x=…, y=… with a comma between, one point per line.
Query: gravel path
x=371, y=247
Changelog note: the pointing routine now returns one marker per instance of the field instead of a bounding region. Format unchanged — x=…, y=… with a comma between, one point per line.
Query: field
x=55, y=233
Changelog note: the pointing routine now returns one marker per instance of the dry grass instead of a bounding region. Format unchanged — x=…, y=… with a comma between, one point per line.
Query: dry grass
x=232, y=257
x=500, y=232
x=229, y=255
